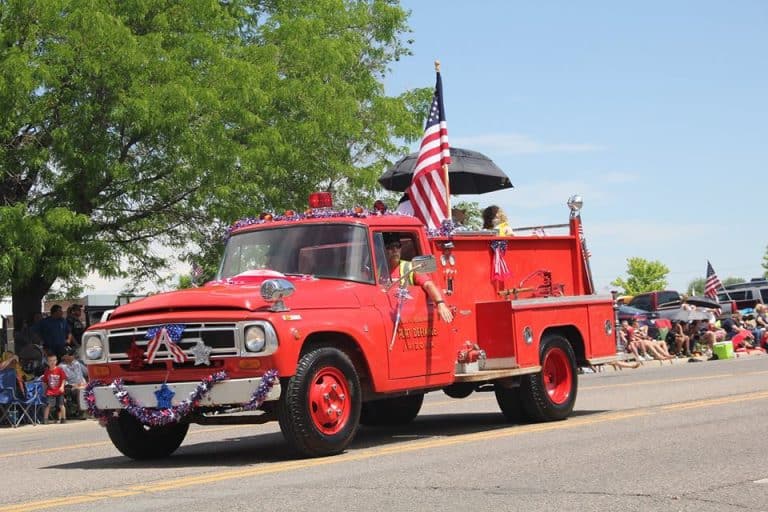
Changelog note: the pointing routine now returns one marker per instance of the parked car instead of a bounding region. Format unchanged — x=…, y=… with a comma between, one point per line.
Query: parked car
x=629, y=313
x=669, y=303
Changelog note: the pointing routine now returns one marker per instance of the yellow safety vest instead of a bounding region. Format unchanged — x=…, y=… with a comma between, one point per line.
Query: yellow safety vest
x=405, y=269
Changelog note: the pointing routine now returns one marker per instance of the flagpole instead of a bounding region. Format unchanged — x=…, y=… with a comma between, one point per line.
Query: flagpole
x=445, y=169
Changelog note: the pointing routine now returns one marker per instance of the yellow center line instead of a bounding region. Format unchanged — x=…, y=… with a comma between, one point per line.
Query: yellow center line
x=101, y=443
x=439, y=442
x=660, y=381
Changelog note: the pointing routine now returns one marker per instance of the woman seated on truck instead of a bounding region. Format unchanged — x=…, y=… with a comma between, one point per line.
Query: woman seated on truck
x=495, y=218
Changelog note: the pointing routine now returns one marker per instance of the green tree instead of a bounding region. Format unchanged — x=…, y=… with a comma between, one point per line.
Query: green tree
x=765, y=263
x=696, y=287
x=643, y=276
x=142, y=123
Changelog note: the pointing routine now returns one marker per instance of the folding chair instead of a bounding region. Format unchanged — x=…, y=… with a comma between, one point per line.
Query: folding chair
x=12, y=410
x=35, y=401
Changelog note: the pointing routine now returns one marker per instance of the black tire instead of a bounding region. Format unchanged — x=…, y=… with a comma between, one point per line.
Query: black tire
x=307, y=416
x=551, y=394
x=510, y=404
x=140, y=442
x=400, y=410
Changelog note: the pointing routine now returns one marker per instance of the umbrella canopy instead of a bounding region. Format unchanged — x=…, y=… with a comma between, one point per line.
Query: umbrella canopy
x=470, y=173
x=683, y=315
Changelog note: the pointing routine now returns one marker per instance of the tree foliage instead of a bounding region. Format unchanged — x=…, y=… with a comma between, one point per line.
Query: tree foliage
x=128, y=125
x=643, y=276
x=764, y=264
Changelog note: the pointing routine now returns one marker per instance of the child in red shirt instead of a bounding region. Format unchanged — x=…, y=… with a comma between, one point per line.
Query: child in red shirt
x=54, y=380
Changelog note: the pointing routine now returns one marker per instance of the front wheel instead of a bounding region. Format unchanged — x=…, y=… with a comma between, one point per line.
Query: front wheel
x=551, y=394
x=319, y=411
x=141, y=442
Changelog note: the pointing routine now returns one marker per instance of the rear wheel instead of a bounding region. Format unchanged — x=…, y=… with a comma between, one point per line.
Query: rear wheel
x=141, y=442
x=319, y=411
x=551, y=394
x=400, y=410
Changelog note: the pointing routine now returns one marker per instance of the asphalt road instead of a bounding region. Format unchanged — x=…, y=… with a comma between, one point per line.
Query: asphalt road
x=683, y=437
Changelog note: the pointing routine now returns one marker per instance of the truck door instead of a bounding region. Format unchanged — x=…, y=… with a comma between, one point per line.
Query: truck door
x=413, y=338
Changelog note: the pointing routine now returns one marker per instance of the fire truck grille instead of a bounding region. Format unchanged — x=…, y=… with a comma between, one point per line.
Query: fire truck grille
x=221, y=338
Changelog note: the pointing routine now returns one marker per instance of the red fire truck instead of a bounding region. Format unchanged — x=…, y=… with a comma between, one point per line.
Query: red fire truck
x=304, y=325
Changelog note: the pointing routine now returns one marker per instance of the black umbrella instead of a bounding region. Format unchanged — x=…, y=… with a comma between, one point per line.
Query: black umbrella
x=470, y=173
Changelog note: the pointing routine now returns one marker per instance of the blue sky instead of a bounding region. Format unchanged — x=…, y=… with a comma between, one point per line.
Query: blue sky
x=655, y=112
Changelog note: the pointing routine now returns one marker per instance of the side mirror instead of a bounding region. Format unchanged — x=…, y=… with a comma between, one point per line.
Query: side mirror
x=423, y=264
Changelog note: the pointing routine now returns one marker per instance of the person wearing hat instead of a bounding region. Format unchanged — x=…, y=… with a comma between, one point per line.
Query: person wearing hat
x=76, y=377
x=399, y=267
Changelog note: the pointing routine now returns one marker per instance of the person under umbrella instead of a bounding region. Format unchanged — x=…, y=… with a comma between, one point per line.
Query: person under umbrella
x=404, y=206
x=495, y=218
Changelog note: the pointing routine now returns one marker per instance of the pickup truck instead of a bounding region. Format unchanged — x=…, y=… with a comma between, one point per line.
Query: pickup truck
x=667, y=302
x=745, y=295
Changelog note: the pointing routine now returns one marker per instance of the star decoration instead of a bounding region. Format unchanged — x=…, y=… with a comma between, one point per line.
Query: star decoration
x=164, y=396
x=202, y=353
x=136, y=355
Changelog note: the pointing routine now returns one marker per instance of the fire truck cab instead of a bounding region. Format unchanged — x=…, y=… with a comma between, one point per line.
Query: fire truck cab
x=304, y=325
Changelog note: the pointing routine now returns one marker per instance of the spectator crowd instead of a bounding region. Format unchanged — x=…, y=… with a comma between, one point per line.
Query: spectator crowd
x=46, y=354
x=663, y=339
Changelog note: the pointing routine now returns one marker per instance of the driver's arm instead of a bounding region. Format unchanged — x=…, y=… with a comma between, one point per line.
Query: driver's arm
x=434, y=293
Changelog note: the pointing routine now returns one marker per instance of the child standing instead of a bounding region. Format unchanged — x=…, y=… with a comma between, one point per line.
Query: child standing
x=54, y=380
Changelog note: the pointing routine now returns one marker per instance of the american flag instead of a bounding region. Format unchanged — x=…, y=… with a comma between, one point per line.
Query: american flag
x=159, y=337
x=713, y=282
x=429, y=187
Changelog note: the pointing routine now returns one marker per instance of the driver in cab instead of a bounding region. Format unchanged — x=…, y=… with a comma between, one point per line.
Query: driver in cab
x=399, y=267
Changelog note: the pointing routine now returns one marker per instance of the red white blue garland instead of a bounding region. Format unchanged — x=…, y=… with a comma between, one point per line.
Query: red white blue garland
x=156, y=417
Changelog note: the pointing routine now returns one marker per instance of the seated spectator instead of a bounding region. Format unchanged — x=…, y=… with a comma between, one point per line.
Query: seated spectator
x=682, y=338
x=656, y=348
x=76, y=376
x=761, y=325
x=736, y=331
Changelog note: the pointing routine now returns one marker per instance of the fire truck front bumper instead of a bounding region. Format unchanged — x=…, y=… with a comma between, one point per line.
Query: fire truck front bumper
x=234, y=392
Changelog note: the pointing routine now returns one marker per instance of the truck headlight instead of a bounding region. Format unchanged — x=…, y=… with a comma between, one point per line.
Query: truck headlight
x=255, y=338
x=93, y=347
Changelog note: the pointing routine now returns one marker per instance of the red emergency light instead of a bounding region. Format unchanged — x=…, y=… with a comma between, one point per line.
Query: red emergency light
x=320, y=200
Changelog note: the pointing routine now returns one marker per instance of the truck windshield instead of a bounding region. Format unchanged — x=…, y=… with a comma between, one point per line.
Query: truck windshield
x=337, y=251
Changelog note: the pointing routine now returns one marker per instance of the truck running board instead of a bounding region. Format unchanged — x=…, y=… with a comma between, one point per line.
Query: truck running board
x=495, y=374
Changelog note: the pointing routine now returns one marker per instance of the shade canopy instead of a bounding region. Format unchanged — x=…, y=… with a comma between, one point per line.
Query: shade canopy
x=470, y=172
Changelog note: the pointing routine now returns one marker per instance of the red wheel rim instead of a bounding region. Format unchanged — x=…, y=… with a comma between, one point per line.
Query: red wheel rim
x=329, y=401
x=558, y=376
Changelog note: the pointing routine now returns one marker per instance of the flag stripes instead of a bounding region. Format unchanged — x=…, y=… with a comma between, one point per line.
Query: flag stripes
x=429, y=188
x=712, y=284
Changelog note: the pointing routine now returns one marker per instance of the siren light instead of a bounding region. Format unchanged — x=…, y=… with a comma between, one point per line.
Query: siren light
x=320, y=200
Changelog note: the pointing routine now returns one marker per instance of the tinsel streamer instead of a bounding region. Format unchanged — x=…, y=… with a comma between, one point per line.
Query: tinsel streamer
x=402, y=295
x=499, y=271
x=268, y=380
x=148, y=415
x=320, y=213
x=445, y=229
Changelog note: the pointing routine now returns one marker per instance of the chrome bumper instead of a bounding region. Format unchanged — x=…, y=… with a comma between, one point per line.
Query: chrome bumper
x=227, y=392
